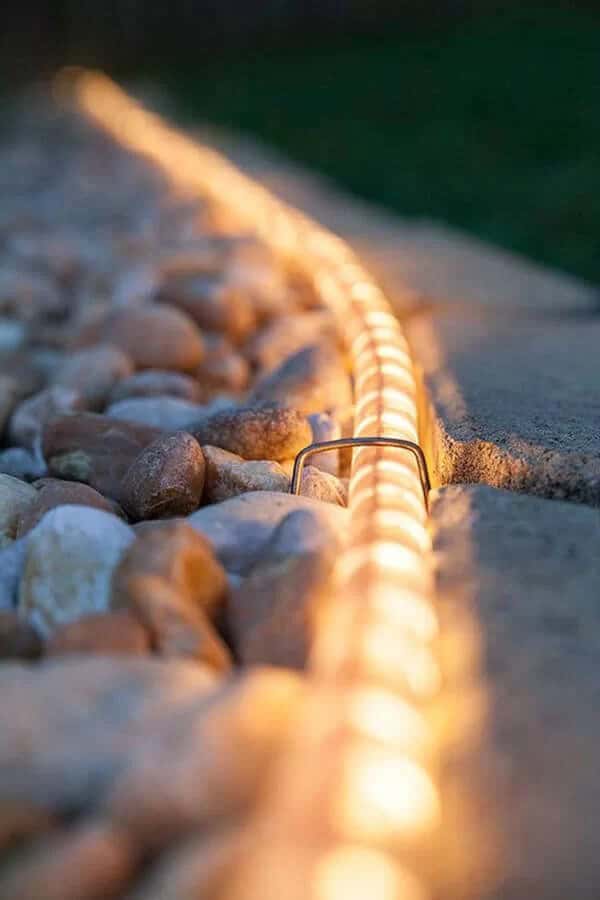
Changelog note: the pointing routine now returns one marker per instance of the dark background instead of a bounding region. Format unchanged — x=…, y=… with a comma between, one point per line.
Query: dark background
x=484, y=115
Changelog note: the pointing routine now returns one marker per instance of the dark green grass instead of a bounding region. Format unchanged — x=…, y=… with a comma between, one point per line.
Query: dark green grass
x=492, y=125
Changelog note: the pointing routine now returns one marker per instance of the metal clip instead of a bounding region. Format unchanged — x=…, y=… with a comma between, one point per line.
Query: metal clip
x=341, y=443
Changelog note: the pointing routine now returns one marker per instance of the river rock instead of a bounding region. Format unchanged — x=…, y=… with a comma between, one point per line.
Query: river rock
x=223, y=369
x=170, y=580
x=325, y=427
x=111, y=633
x=18, y=640
x=323, y=486
x=15, y=498
x=239, y=528
x=270, y=617
x=213, y=303
x=166, y=479
x=157, y=382
x=52, y=492
x=29, y=419
x=94, y=449
x=312, y=380
x=217, y=761
x=69, y=561
x=166, y=413
x=10, y=395
x=255, y=433
x=228, y=475
x=94, y=372
x=27, y=465
x=155, y=336
x=286, y=335
x=88, y=861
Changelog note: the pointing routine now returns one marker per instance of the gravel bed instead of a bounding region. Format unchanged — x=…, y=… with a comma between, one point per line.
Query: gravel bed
x=158, y=583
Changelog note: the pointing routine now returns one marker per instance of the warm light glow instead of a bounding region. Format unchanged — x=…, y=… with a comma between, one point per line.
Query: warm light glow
x=355, y=873
x=384, y=796
x=359, y=771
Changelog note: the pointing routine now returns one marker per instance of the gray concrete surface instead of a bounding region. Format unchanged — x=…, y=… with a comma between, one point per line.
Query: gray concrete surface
x=513, y=403
x=519, y=603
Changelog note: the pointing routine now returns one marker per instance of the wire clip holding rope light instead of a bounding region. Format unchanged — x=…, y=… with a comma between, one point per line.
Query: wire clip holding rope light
x=343, y=443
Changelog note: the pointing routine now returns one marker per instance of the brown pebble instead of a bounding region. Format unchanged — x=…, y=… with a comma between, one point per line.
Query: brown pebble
x=94, y=449
x=30, y=418
x=222, y=370
x=94, y=372
x=255, y=433
x=109, y=633
x=156, y=336
x=228, y=475
x=166, y=479
x=171, y=581
x=214, y=304
x=157, y=383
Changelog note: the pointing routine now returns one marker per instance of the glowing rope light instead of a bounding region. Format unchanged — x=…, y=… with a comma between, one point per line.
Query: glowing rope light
x=355, y=778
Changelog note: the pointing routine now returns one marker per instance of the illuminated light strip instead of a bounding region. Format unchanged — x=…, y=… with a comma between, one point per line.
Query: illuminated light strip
x=357, y=788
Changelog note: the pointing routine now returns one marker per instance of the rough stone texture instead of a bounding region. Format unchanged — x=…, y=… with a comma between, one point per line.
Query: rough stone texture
x=155, y=336
x=94, y=372
x=52, y=492
x=171, y=582
x=166, y=479
x=94, y=449
x=312, y=380
x=323, y=486
x=228, y=475
x=157, y=382
x=15, y=499
x=69, y=561
x=513, y=403
x=239, y=528
x=519, y=581
x=112, y=633
x=270, y=617
x=255, y=433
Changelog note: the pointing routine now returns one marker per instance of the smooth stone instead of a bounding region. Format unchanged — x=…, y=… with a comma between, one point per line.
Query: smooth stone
x=170, y=580
x=18, y=640
x=52, y=492
x=156, y=336
x=111, y=633
x=157, y=382
x=15, y=498
x=252, y=433
x=13, y=334
x=218, y=759
x=312, y=380
x=94, y=372
x=323, y=486
x=239, y=528
x=30, y=418
x=166, y=413
x=518, y=582
x=286, y=335
x=228, y=475
x=27, y=465
x=88, y=861
x=213, y=303
x=94, y=449
x=223, y=369
x=166, y=479
x=70, y=558
x=271, y=616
